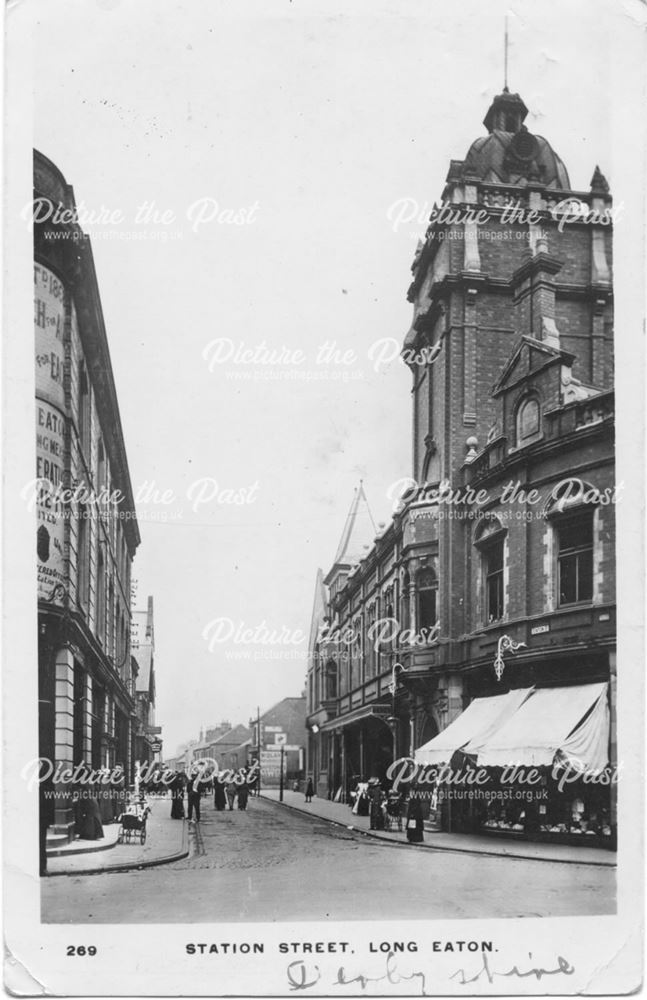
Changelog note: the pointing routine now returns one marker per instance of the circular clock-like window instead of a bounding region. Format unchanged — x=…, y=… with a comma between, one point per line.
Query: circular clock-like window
x=524, y=145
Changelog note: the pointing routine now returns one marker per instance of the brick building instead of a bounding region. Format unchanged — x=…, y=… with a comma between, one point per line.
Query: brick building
x=282, y=727
x=229, y=748
x=501, y=549
x=147, y=743
x=85, y=542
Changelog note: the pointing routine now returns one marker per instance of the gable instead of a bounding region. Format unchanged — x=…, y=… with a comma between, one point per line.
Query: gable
x=529, y=357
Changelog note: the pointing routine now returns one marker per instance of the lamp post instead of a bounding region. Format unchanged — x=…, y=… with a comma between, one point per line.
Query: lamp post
x=281, y=777
x=257, y=722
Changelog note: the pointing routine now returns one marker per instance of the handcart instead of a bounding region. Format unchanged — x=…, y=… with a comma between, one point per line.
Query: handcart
x=393, y=812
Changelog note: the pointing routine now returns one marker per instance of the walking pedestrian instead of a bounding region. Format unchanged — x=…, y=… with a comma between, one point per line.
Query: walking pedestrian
x=230, y=791
x=177, y=796
x=219, y=797
x=194, y=793
x=415, y=825
x=310, y=789
x=243, y=795
x=375, y=797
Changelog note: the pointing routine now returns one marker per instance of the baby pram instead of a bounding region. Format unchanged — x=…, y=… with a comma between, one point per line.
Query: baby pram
x=133, y=822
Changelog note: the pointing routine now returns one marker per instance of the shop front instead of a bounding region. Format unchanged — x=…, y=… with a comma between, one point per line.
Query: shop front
x=361, y=747
x=533, y=763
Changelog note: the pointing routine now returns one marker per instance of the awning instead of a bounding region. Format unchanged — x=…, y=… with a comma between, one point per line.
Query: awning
x=478, y=722
x=549, y=722
x=363, y=712
x=587, y=748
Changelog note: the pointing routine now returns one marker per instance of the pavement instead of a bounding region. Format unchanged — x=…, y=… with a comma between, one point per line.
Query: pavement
x=167, y=840
x=80, y=846
x=271, y=863
x=341, y=815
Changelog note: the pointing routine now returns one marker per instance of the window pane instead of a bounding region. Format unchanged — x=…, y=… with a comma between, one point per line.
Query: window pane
x=529, y=419
x=568, y=579
x=577, y=533
x=494, y=558
x=495, y=597
x=585, y=576
x=427, y=609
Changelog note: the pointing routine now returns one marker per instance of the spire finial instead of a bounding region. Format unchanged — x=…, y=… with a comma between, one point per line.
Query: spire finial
x=505, y=57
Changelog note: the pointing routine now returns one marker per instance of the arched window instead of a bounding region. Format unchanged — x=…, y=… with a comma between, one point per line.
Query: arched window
x=489, y=537
x=427, y=591
x=528, y=421
x=331, y=679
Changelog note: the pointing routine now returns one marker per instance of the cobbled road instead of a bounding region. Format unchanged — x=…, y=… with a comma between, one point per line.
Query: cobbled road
x=270, y=863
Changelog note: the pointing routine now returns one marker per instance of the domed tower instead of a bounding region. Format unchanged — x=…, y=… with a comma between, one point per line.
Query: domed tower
x=513, y=250
x=510, y=154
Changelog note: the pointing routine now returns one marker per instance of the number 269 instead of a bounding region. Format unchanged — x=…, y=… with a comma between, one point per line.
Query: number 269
x=81, y=949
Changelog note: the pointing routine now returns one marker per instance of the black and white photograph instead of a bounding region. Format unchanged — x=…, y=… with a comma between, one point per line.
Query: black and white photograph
x=324, y=497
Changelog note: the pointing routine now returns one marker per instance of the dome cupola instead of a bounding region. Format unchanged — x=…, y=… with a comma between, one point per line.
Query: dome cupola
x=507, y=113
x=510, y=154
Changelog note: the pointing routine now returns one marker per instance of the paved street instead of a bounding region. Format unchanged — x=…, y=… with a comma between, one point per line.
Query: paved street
x=271, y=863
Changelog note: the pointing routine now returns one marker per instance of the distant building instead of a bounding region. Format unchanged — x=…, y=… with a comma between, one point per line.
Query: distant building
x=282, y=726
x=147, y=743
x=201, y=747
x=230, y=748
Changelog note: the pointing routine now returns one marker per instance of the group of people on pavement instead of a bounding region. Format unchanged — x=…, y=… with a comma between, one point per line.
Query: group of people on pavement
x=225, y=793
x=387, y=809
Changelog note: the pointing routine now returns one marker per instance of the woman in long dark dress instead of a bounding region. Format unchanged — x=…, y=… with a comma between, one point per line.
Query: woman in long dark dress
x=91, y=828
x=219, y=797
x=177, y=797
x=375, y=804
x=243, y=795
x=415, y=826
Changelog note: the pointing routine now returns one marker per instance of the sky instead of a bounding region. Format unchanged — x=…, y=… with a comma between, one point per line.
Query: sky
x=255, y=159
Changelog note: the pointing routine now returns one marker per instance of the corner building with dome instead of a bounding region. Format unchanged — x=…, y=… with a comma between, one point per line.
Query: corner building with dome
x=504, y=651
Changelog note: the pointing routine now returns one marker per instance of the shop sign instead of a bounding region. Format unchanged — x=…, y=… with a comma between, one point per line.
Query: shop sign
x=49, y=324
x=50, y=515
x=539, y=629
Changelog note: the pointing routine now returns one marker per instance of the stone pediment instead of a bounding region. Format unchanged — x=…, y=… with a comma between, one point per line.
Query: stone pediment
x=529, y=357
